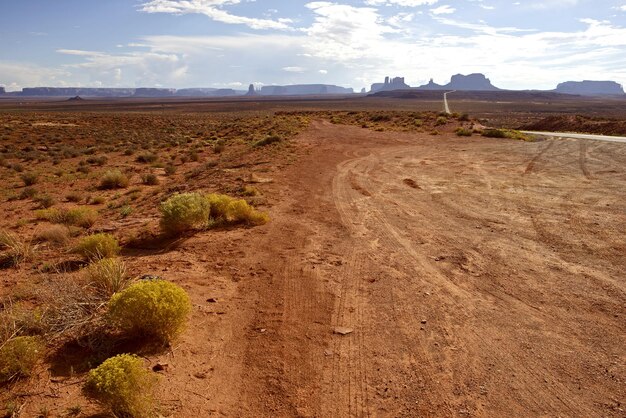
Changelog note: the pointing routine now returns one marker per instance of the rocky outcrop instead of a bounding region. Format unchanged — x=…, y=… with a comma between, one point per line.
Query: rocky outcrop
x=590, y=88
x=432, y=86
x=471, y=82
x=2, y=90
x=251, y=91
x=390, y=84
x=304, y=90
x=75, y=91
x=153, y=92
x=205, y=92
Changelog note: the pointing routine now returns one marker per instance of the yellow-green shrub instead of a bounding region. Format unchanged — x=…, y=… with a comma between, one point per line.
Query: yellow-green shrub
x=154, y=308
x=80, y=216
x=108, y=275
x=97, y=246
x=123, y=384
x=225, y=209
x=18, y=356
x=183, y=212
x=114, y=179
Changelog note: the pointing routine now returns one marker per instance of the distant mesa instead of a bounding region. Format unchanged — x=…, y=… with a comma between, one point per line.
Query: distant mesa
x=390, y=84
x=75, y=91
x=205, y=92
x=471, y=82
x=154, y=92
x=304, y=90
x=75, y=99
x=2, y=90
x=590, y=88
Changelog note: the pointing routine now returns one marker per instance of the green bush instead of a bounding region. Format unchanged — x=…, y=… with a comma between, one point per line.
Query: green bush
x=154, y=308
x=495, y=133
x=463, y=132
x=108, y=275
x=150, y=179
x=441, y=120
x=183, y=212
x=124, y=385
x=268, y=140
x=97, y=246
x=147, y=158
x=114, y=179
x=45, y=201
x=18, y=357
x=29, y=178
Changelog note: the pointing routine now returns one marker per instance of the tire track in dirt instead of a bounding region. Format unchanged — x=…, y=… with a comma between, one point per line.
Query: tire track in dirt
x=582, y=159
x=403, y=336
x=531, y=165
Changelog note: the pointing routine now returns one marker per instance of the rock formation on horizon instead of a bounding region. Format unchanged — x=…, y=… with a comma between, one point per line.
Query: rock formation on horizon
x=251, y=91
x=206, y=92
x=74, y=91
x=304, y=89
x=432, y=86
x=470, y=82
x=2, y=90
x=590, y=88
x=396, y=83
x=473, y=82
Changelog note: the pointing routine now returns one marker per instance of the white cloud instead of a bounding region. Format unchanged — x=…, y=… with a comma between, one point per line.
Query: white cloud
x=294, y=69
x=214, y=10
x=443, y=10
x=17, y=75
x=405, y=3
x=550, y=4
x=149, y=67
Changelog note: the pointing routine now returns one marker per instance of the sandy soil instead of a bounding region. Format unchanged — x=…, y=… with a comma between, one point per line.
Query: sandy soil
x=479, y=277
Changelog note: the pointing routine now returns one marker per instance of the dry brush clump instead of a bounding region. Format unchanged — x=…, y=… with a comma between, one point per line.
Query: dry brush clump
x=108, y=276
x=54, y=234
x=123, y=385
x=79, y=216
x=114, y=179
x=13, y=249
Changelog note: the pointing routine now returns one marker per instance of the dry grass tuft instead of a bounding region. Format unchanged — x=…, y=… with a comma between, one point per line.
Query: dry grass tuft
x=13, y=250
x=108, y=276
x=55, y=234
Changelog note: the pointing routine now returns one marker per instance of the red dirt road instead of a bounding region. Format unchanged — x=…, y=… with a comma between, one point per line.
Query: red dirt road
x=481, y=278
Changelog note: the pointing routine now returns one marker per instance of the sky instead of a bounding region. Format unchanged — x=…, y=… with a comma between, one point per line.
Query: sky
x=524, y=44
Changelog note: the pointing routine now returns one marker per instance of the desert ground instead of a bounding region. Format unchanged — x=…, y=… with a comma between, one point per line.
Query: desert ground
x=405, y=271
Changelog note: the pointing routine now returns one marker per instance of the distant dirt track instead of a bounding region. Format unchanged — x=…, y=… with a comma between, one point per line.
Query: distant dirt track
x=481, y=277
